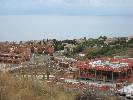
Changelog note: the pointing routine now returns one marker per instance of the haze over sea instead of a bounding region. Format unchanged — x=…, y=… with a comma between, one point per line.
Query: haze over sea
x=28, y=27
x=64, y=19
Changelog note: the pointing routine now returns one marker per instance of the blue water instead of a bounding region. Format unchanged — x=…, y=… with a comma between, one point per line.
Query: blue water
x=18, y=27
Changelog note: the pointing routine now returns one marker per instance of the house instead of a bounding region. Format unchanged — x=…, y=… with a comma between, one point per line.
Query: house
x=69, y=48
x=110, y=40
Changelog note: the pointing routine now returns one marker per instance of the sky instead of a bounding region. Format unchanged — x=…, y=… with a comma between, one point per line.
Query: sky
x=64, y=19
x=67, y=7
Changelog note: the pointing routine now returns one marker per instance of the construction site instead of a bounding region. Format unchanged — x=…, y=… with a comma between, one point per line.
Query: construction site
x=110, y=70
x=39, y=62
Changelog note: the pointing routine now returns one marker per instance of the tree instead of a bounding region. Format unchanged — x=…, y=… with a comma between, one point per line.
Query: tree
x=102, y=38
x=79, y=48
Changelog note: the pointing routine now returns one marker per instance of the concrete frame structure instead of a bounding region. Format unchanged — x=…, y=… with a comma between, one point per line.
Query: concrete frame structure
x=105, y=70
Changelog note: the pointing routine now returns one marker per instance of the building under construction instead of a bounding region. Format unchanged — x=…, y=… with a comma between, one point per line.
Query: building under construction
x=105, y=70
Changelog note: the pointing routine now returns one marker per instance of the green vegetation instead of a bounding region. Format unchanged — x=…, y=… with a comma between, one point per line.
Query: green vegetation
x=97, y=47
x=79, y=48
x=58, y=44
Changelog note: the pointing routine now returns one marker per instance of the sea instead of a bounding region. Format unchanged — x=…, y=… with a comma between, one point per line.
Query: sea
x=36, y=27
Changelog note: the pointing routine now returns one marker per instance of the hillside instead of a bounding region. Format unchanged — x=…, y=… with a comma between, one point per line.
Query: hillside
x=102, y=47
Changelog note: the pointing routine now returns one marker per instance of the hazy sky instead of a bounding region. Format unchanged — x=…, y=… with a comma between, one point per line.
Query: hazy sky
x=67, y=7
x=62, y=19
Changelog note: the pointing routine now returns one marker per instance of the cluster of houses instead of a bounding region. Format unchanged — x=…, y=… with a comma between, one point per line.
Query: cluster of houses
x=16, y=53
x=41, y=47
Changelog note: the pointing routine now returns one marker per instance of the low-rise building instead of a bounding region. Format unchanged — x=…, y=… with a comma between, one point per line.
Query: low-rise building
x=110, y=40
x=69, y=48
x=105, y=70
x=14, y=53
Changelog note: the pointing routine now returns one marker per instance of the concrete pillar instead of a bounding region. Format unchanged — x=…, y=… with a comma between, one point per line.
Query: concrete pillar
x=112, y=76
x=95, y=75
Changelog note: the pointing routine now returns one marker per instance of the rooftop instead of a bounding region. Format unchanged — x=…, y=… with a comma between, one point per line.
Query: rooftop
x=108, y=64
